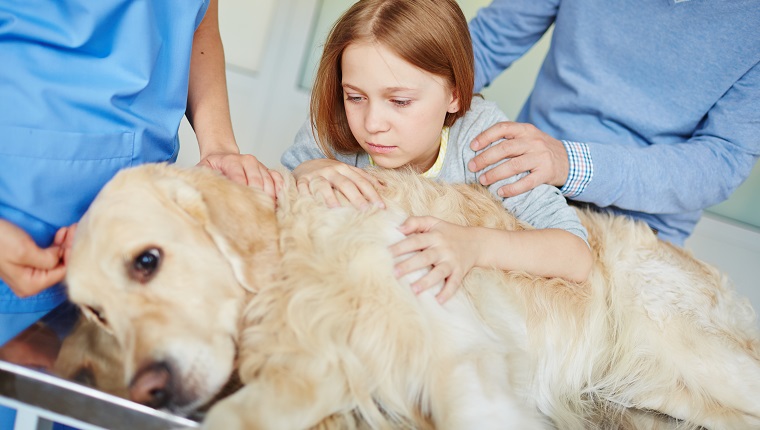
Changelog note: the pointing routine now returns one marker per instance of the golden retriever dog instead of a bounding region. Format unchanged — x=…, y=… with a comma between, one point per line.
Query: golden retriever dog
x=198, y=277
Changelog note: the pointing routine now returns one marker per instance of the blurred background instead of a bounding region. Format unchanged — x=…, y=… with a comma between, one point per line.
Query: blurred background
x=272, y=47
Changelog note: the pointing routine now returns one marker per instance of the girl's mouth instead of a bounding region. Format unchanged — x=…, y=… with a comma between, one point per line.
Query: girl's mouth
x=379, y=149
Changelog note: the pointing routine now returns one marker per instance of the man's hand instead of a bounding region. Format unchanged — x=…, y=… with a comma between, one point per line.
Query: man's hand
x=527, y=149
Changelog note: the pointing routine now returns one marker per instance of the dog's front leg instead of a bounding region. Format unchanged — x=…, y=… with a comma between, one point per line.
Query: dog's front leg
x=476, y=394
x=282, y=399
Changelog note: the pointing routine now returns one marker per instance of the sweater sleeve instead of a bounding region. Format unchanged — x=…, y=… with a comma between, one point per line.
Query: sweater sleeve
x=503, y=31
x=304, y=148
x=541, y=207
x=699, y=172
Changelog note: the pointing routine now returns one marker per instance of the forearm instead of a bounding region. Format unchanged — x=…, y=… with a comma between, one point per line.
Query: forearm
x=666, y=178
x=671, y=176
x=503, y=31
x=545, y=252
x=207, y=104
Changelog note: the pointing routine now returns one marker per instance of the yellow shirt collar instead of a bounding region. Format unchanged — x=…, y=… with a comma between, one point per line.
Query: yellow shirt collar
x=435, y=169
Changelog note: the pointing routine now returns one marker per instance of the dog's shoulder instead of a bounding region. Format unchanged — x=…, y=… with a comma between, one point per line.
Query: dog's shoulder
x=463, y=204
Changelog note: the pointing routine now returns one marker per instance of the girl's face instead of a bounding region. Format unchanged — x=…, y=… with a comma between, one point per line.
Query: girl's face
x=394, y=109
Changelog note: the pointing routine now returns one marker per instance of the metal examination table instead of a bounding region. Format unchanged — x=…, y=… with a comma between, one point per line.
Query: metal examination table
x=42, y=397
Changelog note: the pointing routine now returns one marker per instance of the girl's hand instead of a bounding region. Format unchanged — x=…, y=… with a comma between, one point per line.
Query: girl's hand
x=450, y=249
x=325, y=177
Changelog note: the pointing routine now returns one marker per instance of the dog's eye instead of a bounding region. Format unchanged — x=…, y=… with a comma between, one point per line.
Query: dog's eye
x=97, y=314
x=145, y=265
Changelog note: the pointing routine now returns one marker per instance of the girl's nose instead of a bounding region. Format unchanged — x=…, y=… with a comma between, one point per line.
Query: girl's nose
x=375, y=120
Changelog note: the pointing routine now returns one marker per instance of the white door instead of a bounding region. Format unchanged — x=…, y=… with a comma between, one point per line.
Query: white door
x=266, y=42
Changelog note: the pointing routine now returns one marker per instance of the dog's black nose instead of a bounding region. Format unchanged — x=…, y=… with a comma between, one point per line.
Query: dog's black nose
x=151, y=385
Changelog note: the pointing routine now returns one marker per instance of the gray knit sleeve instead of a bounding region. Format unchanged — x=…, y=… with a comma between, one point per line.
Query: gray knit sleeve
x=544, y=207
x=541, y=207
x=304, y=148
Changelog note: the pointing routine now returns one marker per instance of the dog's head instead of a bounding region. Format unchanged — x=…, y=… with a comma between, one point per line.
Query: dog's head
x=163, y=259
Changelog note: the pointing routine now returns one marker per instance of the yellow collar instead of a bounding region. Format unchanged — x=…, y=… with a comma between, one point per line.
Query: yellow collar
x=433, y=171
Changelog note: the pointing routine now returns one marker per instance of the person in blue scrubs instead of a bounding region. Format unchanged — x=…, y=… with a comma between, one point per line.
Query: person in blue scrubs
x=88, y=88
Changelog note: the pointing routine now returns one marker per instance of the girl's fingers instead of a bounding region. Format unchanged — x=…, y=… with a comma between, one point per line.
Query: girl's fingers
x=449, y=288
x=322, y=187
x=420, y=260
x=348, y=187
x=436, y=276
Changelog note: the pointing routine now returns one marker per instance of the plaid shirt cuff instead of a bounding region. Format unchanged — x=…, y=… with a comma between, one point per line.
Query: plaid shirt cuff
x=581, y=168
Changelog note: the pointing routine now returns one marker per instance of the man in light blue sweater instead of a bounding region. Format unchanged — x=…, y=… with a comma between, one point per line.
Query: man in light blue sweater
x=651, y=108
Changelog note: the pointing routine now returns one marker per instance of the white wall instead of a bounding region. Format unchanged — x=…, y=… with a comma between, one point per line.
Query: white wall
x=266, y=47
x=734, y=249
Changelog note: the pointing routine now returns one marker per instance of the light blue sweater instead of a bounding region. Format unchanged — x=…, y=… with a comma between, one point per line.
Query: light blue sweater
x=542, y=207
x=665, y=93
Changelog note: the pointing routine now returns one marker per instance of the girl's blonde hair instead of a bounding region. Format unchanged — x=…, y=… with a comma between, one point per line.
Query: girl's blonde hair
x=429, y=34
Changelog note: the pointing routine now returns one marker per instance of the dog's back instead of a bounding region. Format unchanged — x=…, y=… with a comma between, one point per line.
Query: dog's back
x=583, y=354
x=400, y=358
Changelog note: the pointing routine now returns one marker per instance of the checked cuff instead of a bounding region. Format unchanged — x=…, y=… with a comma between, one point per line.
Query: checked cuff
x=581, y=168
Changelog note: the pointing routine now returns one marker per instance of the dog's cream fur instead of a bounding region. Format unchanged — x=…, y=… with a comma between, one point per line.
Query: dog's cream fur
x=303, y=301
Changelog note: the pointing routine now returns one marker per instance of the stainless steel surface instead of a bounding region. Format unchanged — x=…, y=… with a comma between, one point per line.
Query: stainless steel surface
x=82, y=403
x=55, y=361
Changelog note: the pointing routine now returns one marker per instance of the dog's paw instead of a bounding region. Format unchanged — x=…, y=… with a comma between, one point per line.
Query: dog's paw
x=225, y=415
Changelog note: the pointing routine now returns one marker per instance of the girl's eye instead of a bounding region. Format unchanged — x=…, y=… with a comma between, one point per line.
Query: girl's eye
x=401, y=103
x=353, y=99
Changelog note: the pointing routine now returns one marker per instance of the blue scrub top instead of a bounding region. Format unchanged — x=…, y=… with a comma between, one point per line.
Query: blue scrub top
x=87, y=87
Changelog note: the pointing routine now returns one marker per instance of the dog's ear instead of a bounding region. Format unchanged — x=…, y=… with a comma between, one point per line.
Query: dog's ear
x=240, y=220
x=185, y=197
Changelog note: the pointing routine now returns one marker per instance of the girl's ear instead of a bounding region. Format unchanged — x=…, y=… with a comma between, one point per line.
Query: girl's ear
x=454, y=103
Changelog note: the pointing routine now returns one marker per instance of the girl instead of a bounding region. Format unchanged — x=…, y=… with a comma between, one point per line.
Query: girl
x=394, y=90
